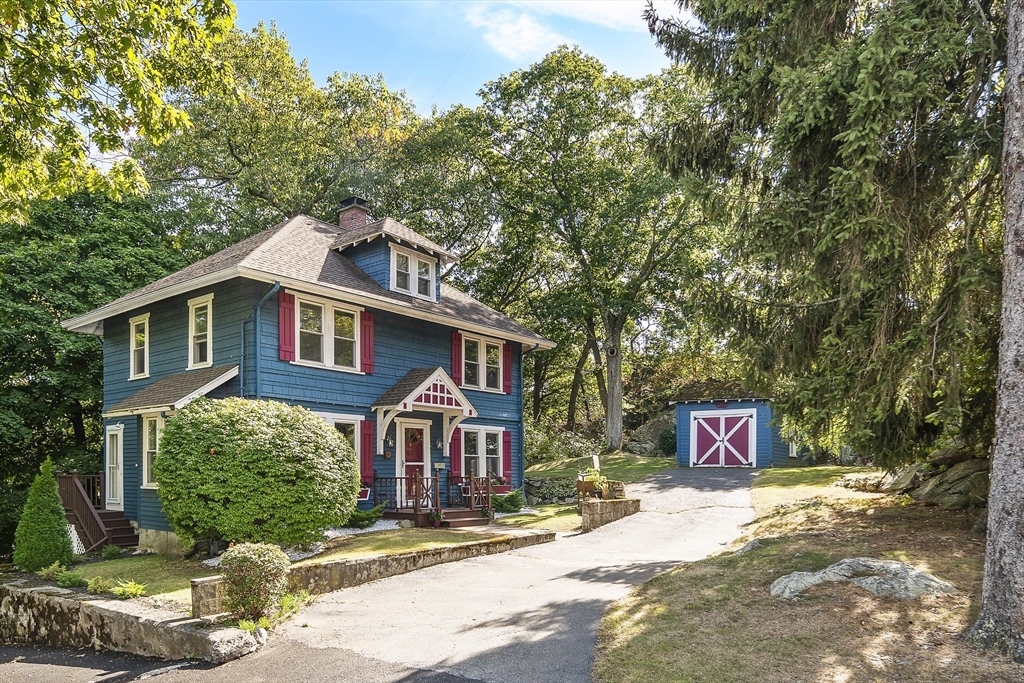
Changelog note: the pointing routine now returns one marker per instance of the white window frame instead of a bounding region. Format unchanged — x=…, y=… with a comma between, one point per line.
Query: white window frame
x=132, y=370
x=113, y=502
x=193, y=304
x=482, y=370
x=327, y=340
x=481, y=432
x=335, y=418
x=415, y=258
x=146, y=473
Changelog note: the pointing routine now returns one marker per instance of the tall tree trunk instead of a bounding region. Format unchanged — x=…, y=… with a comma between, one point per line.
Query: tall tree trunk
x=539, y=374
x=77, y=423
x=1000, y=624
x=574, y=393
x=595, y=349
x=613, y=407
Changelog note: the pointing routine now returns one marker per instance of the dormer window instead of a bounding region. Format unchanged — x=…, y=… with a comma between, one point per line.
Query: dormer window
x=412, y=273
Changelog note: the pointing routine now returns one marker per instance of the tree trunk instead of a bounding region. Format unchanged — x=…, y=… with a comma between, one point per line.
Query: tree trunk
x=613, y=407
x=77, y=423
x=574, y=393
x=595, y=348
x=1000, y=625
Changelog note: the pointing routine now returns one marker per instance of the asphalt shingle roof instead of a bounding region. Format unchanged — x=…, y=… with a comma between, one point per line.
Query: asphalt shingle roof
x=389, y=226
x=401, y=389
x=169, y=390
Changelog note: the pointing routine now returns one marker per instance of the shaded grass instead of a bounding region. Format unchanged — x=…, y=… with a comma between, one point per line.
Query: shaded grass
x=394, y=541
x=550, y=517
x=714, y=621
x=619, y=466
x=779, y=486
x=161, y=575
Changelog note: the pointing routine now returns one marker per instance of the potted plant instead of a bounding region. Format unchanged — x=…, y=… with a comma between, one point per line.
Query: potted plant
x=436, y=516
x=500, y=485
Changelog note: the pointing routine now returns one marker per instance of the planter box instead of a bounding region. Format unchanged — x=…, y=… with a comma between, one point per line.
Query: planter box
x=507, y=488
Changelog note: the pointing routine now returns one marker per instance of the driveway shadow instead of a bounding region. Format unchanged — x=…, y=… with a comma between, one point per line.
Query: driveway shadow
x=701, y=479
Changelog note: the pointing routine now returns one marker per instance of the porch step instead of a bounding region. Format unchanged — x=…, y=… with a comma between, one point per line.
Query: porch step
x=449, y=523
x=462, y=513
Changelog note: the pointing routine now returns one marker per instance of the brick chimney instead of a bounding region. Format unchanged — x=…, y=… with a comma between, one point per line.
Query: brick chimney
x=353, y=213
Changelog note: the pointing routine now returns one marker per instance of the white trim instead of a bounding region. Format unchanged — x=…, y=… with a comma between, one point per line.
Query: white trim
x=146, y=417
x=113, y=503
x=401, y=424
x=182, y=402
x=132, y=322
x=333, y=418
x=92, y=322
x=193, y=304
x=483, y=341
x=792, y=449
x=752, y=436
x=414, y=259
x=328, y=307
x=481, y=431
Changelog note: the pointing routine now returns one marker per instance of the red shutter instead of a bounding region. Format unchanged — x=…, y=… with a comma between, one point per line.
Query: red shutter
x=507, y=368
x=456, y=450
x=366, y=341
x=367, y=448
x=457, y=358
x=506, y=460
x=286, y=325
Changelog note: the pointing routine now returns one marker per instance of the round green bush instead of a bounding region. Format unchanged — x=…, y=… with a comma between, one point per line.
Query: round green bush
x=667, y=440
x=256, y=575
x=242, y=470
x=41, y=538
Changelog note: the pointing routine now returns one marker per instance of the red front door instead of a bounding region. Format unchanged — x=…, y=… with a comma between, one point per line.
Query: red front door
x=413, y=459
x=722, y=440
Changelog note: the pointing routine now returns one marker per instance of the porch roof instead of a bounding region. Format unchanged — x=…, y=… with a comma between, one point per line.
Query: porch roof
x=174, y=392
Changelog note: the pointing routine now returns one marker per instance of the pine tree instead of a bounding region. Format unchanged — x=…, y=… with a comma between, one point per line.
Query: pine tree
x=42, y=535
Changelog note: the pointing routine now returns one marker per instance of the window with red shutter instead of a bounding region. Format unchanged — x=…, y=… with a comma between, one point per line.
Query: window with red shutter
x=457, y=358
x=507, y=455
x=456, y=452
x=507, y=368
x=286, y=325
x=366, y=342
x=367, y=448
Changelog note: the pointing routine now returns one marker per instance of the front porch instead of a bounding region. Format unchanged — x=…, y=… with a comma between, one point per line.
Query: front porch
x=465, y=501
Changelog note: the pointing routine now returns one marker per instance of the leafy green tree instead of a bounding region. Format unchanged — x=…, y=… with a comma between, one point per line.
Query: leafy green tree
x=42, y=535
x=254, y=471
x=568, y=157
x=80, y=76
x=851, y=154
x=281, y=146
x=70, y=257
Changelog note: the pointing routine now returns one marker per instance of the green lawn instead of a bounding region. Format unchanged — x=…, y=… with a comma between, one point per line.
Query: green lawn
x=395, y=541
x=778, y=486
x=166, y=577
x=550, y=517
x=619, y=466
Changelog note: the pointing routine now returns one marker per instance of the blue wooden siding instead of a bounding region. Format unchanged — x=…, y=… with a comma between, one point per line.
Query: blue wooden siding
x=401, y=344
x=374, y=258
x=772, y=450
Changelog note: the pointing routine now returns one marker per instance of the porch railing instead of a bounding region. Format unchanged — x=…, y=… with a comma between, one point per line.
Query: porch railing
x=469, y=492
x=415, y=493
x=82, y=497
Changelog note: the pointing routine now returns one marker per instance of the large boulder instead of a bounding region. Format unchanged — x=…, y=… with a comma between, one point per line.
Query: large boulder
x=644, y=439
x=908, y=478
x=880, y=577
x=961, y=486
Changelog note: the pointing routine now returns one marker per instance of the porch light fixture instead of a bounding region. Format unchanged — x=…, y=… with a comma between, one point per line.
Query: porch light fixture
x=438, y=444
x=389, y=440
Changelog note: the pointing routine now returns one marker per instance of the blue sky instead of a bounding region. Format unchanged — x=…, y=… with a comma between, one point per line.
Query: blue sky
x=442, y=53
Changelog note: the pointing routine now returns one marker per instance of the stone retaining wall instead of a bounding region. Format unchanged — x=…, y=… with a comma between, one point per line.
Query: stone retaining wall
x=324, y=577
x=47, y=615
x=600, y=512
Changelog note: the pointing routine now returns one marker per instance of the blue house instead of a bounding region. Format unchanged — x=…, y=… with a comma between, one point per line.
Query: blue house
x=733, y=432
x=351, y=321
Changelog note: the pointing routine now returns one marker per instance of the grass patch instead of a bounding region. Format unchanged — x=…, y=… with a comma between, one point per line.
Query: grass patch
x=780, y=486
x=619, y=466
x=714, y=621
x=550, y=517
x=394, y=541
x=166, y=577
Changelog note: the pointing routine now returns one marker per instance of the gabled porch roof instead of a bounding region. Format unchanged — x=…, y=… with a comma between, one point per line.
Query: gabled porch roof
x=430, y=389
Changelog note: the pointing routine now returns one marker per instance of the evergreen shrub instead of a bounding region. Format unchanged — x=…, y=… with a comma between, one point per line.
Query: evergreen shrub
x=71, y=580
x=254, y=471
x=126, y=590
x=42, y=534
x=111, y=552
x=667, y=440
x=510, y=502
x=256, y=575
x=363, y=519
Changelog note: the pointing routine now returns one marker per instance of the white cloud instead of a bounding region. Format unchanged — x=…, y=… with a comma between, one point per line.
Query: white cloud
x=516, y=35
x=621, y=15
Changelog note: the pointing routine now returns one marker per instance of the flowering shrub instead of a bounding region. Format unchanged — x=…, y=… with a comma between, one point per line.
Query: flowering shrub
x=262, y=471
x=256, y=575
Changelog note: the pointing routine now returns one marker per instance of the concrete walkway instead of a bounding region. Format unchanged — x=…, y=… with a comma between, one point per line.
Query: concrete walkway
x=529, y=615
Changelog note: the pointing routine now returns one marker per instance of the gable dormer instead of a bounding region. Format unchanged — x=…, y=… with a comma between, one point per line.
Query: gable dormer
x=397, y=257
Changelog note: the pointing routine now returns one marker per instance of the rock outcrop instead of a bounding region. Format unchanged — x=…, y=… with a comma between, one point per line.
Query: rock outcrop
x=961, y=486
x=880, y=577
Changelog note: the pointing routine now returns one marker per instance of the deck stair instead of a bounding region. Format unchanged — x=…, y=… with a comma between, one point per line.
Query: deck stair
x=82, y=498
x=456, y=518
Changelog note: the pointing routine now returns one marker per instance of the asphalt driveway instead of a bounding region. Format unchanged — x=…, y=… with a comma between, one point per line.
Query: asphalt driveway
x=528, y=615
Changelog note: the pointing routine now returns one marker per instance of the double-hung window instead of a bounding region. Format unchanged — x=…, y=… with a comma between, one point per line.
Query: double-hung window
x=481, y=452
x=138, y=361
x=328, y=334
x=482, y=359
x=152, y=430
x=200, y=332
x=412, y=273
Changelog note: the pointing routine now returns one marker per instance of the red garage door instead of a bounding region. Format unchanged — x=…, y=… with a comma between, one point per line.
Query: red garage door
x=722, y=439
